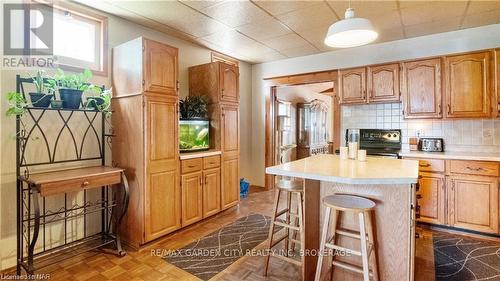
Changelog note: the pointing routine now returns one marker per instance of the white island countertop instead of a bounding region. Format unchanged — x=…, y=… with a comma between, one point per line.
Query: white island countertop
x=454, y=155
x=330, y=168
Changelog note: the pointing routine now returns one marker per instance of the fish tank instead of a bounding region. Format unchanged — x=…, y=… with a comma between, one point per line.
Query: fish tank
x=194, y=135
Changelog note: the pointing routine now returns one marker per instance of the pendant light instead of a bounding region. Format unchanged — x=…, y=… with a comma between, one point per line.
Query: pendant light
x=350, y=32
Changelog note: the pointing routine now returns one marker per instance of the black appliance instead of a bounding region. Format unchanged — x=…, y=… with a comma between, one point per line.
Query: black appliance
x=380, y=142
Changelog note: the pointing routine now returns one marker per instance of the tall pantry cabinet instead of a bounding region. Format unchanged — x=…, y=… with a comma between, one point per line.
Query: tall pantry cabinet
x=220, y=83
x=145, y=124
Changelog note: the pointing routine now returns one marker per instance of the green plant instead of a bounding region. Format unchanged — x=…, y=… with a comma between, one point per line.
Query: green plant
x=38, y=81
x=102, y=102
x=194, y=107
x=80, y=81
x=17, y=104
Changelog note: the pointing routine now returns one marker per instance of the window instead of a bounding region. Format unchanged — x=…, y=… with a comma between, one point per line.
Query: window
x=80, y=40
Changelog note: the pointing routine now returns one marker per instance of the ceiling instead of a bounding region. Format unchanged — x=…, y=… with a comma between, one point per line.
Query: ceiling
x=266, y=30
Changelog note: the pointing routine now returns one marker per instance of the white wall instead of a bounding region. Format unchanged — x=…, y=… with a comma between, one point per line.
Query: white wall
x=119, y=31
x=431, y=45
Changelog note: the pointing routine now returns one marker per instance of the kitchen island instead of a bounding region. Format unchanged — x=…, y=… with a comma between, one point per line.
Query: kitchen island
x=390, y=183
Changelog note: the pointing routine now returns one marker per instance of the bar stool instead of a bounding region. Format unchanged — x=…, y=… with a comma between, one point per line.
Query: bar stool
x=361, y=206
x=289, y=187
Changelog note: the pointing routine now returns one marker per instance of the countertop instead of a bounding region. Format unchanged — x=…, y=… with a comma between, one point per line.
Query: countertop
x=454, y=155
x=330, y=168
x=198, y=154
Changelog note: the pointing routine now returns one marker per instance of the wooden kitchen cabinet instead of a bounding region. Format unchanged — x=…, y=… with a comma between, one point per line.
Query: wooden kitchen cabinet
x=496, y=106
x=352, y=85
x=473, y=202
x=217, y=80
x=383, y=83
x=192, y=198
x=421, y=89
x=211, y=192
x=433, y=198
x=468, y=85
x=230, y=115
x=230, y=191
x=161, y=68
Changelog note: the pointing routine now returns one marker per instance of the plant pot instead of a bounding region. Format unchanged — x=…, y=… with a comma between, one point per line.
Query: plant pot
x=71, y=98
x=56, y=104
x=40, y=99
x=94, y=102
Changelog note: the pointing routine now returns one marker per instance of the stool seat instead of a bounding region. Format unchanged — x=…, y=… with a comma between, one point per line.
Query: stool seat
x=348, y=203
x=291, y=185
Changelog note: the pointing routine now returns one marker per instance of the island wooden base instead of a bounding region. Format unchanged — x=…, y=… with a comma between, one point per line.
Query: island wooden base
x=393, y=221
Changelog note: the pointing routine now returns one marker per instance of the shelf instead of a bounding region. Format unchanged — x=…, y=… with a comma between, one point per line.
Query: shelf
x=61, y=109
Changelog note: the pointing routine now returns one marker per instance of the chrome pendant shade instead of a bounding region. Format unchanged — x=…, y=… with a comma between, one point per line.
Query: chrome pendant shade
x=350, y=32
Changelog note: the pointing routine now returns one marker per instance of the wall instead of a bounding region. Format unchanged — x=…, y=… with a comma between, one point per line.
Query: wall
x=119, y=31
x=459, y=135
x=424, y=46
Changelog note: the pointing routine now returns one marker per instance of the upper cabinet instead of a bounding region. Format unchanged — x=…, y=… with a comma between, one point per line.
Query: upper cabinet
x=421, y=89
x=468, y=85
x=218, y=80
x=160, y=69
x=352, y=85
x=383, y=83
x=497, y=81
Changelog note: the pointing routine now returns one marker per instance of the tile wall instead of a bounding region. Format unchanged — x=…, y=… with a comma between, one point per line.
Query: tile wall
x=477, y=135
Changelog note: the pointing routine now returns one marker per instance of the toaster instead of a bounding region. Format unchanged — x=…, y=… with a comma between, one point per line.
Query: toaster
x=431, y=144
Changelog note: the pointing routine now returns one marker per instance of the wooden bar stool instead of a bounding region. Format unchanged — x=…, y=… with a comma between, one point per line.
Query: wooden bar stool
x=361, y=206
x=289, y=187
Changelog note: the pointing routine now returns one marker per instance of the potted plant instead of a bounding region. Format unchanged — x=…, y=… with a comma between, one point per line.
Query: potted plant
x=194, y=107
x=17, y=104
x=72, y=86
x=40, y=98
x=102, y=102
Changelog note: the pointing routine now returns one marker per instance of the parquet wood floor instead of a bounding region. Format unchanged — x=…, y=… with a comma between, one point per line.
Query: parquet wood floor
x=142, y=265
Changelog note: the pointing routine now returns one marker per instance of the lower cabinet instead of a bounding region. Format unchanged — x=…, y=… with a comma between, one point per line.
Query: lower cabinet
x=432, y=198
x=230, y=183
x=192, y=195
x=201, y=188
x=473, y=203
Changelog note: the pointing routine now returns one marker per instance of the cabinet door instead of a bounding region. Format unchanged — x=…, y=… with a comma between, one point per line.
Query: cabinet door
x=473, y=203
x=160, y=68
x=383, y=83
x=230, y=193
x=421, y=89
x=211, y=192
x=192, y=194
x=352, y=85
x=229, y=83
x=497, y=85
x=230, y=127
x=468, y=85
x=162, y=192
x=432, y=201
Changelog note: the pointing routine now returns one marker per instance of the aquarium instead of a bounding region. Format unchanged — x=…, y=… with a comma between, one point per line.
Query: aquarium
x=193, y=135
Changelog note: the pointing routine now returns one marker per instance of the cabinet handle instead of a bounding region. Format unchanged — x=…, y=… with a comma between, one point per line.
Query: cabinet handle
x=177, y=85
x=475, y=169
x=190, y=166
x=424, y=165
x=440, y=110
x=222, y=92
x=449, y=109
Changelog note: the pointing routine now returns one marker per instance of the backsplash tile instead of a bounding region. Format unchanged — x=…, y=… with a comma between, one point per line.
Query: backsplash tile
x=459, y=135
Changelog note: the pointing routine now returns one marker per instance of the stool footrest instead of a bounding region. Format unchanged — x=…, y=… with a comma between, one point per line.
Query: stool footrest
x=342, y=249
x=349, y=233
x=282, y=212
x=286, y=225
x=287, y=259
x=350, y=267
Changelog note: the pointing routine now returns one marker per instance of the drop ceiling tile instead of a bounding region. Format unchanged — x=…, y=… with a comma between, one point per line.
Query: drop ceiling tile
x=445, y=25
x=478, y=19
x=388, y=20
x=300, y=51
x=278, y=7
x=315, y=34
x=286, y=42
x=264, y=30
x=200, y=5
x=228, y=39
x=175, y=15
x=237, y=13
x=483, y=6
x=410, y=3
x=309, y=18
x=432, y=11
x=254, y=50
x=364, y=8
x=268, y=57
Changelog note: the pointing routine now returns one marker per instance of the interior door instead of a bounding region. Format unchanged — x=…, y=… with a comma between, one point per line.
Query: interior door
x=432, y=201
x=352, y=85
x=161, y=68
x=468, y=85
x=383, y=83
x=192, y=194
x=211, y=192
x=473, y=203
x=229, y=83
x=421, y=89
x=162, y=196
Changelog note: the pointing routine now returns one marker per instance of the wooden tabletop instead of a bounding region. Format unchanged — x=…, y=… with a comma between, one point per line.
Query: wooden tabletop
x=77, y=173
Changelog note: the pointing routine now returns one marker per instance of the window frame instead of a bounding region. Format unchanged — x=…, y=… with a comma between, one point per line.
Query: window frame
x=90, y=16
